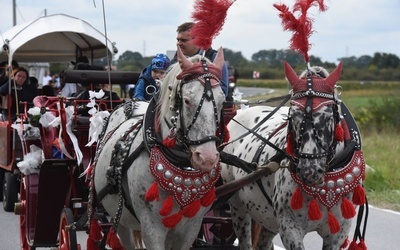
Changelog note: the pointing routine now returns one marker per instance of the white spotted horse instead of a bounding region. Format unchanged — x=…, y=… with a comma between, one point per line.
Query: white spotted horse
x=319, y=142
x=156, y=173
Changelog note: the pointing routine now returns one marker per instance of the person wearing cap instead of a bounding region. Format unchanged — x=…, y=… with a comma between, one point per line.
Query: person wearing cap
x=150, y=79
x=25, y=92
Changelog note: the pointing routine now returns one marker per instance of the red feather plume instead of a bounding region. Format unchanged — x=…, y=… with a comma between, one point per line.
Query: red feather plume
x=301, y=26
x=209, y=17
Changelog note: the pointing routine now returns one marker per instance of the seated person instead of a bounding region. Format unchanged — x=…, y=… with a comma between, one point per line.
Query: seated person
x=24, y=89
x=151, y=77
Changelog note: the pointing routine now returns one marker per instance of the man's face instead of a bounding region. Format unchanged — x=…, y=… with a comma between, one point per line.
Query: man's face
x=20, y=78
x=184, y=41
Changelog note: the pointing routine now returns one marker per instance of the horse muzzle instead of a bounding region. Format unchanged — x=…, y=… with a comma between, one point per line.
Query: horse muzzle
x=204, y=157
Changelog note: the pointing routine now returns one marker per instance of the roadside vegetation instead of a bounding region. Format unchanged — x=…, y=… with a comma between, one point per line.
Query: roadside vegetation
x=376, y=108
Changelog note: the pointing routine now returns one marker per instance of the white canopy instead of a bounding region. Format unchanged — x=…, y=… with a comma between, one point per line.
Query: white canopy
x=54, y=38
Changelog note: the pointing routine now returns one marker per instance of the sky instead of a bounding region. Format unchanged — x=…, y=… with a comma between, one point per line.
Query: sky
x=347, y=28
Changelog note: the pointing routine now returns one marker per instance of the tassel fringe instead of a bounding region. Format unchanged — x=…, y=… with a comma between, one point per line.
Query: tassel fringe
x=333, y=223
x=339, y=133
x=314, y=212
x=172, y=220
x=348, y=210
x=113, y=240
x=152, y=193
x=359, y=195
x=208, y=198
x=297, y=199
x=167, y=206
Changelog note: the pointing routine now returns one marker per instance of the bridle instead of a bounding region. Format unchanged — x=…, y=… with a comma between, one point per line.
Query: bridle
x=183, y=131
x=308, y=122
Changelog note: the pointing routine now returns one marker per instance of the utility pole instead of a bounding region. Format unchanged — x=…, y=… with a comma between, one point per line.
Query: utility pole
x=14, y=12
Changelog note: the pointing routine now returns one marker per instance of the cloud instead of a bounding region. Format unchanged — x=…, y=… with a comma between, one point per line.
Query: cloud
x=347, y=28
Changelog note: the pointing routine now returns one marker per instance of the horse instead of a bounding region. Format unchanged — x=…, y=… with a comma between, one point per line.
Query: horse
x=317, y=145
x=156, y=173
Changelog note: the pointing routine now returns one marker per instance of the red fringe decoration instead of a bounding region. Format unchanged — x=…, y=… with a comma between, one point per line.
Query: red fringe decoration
x=152, y=193
x=314, y=212
x=339, y=134
x=208, y=198
x=113, y=240
x=95, y=231
x=359, y=195
x=353, y=245
x=348, y=210
x=333, y=223
x=169, y=142
x=361, y=245
x=172, y=220
x=209, y=17
x=297, y=199
x=91, y=244
x=289, y=145
x=191, y=209
x=301, y=27
x=167, y=206
x=345, y=244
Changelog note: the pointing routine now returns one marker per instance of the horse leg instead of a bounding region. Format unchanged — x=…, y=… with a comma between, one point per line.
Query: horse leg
x=265, y=240
x=126, y=237
x=291, y=234
x=335, y=241
x=242, y=226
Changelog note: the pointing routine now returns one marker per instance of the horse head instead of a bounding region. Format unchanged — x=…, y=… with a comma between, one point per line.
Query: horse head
x=313, y=131
x=195, y=101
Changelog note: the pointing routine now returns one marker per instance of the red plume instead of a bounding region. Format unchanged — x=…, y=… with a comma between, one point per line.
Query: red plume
x=209, y=17
x=302, y=26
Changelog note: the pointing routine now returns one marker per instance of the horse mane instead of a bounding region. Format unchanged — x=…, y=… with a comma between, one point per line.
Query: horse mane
x=315, y=70
x=171, y=86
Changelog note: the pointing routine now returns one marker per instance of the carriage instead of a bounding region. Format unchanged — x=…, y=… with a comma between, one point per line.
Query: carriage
x=52, y=159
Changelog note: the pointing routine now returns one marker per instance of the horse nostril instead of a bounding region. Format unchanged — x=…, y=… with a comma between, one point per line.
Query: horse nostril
x=320, y=171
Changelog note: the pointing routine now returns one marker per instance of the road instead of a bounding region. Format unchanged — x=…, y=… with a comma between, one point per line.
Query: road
x=383, y=232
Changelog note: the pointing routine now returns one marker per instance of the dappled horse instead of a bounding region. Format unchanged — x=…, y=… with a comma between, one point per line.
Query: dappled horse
x=318, y=140
x=157, y=174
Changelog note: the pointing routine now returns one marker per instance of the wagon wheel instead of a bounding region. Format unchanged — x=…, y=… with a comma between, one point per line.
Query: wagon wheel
x=10, y=191
x=219, y=234
x=67, y=232
x=2, y=171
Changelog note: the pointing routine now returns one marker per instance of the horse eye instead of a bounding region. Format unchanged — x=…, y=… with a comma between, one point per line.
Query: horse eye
x=186, y=100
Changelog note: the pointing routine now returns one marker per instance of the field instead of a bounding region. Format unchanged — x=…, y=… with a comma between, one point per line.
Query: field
x=381, y=145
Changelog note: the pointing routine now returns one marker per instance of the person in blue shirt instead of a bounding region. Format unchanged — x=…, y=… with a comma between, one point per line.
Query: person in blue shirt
x=151, y=77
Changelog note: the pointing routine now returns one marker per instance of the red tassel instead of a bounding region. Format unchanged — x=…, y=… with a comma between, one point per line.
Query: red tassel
x=348, y=210
x=172, y=220
x=167, y=206
x=333, y=223
x=339, y=134
x=152, y=193
x=297, y=199
x=95, y=231
x=91, y=244
x=359, y=195
x=289, y=145
x=113, y=240
x=314, y=212
x=361, y=245
x=169, y=142
x=191, y=210
x=345, y=244
x=353, y=245
x=208, y=198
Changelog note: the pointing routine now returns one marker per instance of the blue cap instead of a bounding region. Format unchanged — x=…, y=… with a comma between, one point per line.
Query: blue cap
x=160, y=61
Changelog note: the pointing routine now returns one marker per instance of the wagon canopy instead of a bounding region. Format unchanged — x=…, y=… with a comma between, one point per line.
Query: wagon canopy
x=54, y=38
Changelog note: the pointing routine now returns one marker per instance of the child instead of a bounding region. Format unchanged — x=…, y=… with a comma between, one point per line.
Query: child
x=150, y=78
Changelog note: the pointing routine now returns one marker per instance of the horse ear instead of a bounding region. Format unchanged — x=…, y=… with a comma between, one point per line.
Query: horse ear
x=290, y=74
x=219, y=59
x=334, y=76
x=183, y=61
